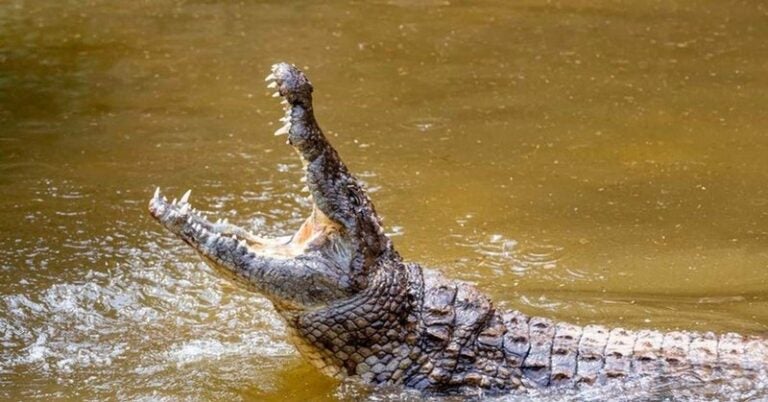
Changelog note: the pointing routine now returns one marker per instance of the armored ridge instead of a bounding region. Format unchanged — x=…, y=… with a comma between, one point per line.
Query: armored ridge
x=355, y=308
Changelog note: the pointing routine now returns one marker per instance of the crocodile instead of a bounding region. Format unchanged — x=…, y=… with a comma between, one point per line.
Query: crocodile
x=355, y=308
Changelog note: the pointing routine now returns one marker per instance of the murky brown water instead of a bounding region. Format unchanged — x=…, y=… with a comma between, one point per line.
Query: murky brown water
x=585, y=160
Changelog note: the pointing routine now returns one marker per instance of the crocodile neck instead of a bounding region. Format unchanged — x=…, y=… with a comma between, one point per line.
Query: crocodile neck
x=373, y=334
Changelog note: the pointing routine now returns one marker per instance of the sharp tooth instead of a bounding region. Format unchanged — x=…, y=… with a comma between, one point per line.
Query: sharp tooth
x=226, y=221
x=270, y=77
x=284, y=102
x=173, y=202
x=303, y=179
x=157, y=193
x=283, y=130
x=272, y=84
x=285, y=119
x=189, y=219
x=184, y=209
x=276, y=94
x=234, y=237
x=165, y=200
x=305, y=189
x=185, y=197
x=218, y=221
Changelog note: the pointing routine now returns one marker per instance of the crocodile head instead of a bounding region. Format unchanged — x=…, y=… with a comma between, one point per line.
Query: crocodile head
x=330, y=257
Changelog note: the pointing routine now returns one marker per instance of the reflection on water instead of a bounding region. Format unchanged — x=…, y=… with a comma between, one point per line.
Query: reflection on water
x=591, y=161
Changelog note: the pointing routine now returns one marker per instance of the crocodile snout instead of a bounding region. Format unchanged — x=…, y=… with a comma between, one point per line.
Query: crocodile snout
x=290, y=83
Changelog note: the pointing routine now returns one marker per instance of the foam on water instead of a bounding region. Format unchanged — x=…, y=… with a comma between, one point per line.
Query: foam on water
x=149, y=316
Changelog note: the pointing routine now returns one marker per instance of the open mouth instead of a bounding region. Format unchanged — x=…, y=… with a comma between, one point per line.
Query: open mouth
x=333, y=251
x=210, y=238
x=223, y=242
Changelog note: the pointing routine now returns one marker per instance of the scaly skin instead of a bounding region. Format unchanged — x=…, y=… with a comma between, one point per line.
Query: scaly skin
x=355, y=308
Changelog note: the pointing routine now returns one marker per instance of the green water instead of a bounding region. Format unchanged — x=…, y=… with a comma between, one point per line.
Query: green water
x=594, y=161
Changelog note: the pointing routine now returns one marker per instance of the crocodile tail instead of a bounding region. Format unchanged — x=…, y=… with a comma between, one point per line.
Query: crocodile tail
x=549, y=353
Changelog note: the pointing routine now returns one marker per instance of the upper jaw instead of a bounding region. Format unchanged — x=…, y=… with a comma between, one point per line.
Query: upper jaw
x=291, y=83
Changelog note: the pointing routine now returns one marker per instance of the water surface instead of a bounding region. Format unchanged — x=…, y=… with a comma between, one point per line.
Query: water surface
x=594, y=161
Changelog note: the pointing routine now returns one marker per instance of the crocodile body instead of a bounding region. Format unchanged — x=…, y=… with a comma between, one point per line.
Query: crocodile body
x=355, y=308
